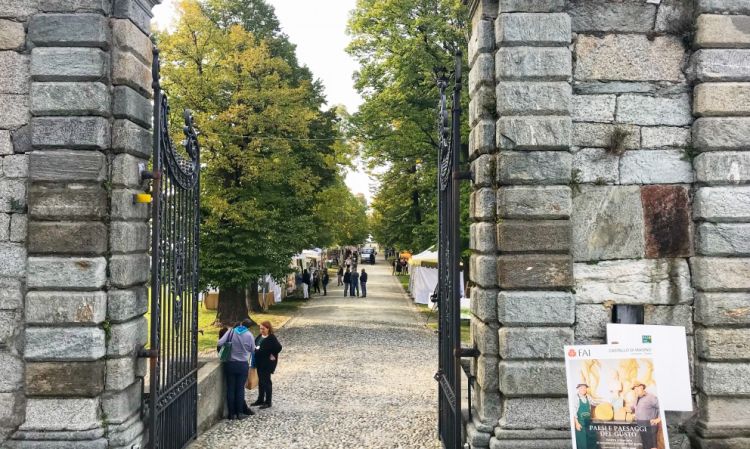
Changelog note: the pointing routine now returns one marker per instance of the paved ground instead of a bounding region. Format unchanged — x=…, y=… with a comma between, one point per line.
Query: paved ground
x=354, y=373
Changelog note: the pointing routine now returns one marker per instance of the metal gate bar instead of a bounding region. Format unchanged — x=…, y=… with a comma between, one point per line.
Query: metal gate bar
x=173, y=395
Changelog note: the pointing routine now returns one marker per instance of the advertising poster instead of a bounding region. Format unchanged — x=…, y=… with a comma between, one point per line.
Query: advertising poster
x=613, y=394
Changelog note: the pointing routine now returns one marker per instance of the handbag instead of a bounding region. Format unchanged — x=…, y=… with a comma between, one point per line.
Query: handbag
x=226, y=349
x=252, y=379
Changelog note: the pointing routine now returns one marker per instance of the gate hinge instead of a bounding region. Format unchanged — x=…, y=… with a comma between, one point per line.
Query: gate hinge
x=147, y=353
x=468, y=352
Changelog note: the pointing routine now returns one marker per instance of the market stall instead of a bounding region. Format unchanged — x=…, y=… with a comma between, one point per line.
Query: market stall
x=424, y=277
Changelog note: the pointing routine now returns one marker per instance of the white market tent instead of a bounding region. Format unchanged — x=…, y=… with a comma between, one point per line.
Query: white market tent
x=424, y=279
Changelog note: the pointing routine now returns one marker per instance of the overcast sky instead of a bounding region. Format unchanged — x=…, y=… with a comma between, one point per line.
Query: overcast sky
x=318, y=28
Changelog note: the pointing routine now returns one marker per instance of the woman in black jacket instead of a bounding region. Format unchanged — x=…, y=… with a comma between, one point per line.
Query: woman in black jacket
x=267, y=351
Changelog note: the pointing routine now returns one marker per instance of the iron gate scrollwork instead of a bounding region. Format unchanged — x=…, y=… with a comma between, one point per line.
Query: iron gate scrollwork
x=173, y=390
x=449, y=287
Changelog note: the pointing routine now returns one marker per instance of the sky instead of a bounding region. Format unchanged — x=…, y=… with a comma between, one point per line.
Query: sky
x=318, y=29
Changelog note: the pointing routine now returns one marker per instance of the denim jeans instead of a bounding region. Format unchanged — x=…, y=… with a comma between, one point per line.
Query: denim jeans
x=236, y=377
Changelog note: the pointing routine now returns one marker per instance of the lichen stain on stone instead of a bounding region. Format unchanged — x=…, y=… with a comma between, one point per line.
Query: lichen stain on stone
x=85, y=313
x=666, y=214
x=738, y=313
x=83, y=264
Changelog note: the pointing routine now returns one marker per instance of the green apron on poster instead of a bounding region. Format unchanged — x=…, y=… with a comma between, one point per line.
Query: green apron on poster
x=584, y=419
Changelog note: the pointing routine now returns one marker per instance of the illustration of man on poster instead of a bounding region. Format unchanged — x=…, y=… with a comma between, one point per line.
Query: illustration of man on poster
x=646, y=411
x=585, y=439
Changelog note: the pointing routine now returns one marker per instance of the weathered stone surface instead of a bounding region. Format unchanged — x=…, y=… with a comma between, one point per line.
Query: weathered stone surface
x=595, y=165
x=594, y=108
x=523, y=98
x=70, y=343
x=482, y=138
x=81, y=379
x=534, y=272
x=45, y=307
x=47, y=203
x=672, y=315
x=535, y=413
x=722, y=168
x=18, y=9
x=123, y=305
x=128, y=237
x=527, y=379
x=487, y=404
x=128, y=70
x=120, y=405
x=128, y=270
x=723, y=379
x=70, y=132
x=717, y=345
x=129, y=104
x=599, y=134
x=532, y=308
x=14, y=71
x=659, y=282
x=11, y=296
x=12, y=35
x=482, y=39
x=11, y=325
x=538, y=236
x=127, y=137
x=482, y=204
x=481, y=237
x=126, y=171
x=722, y=99
x=548, y=202
x=68, y=64
x=607, y=223
x=672, y=17
x=484, y=304
x=534, y=133
x=137, y=11
x=663, y=137
x=721, y=31
x=63, y=272
x=655, y=167
x=69, y=30
x=716, y=309
x=723, y=239
x=591, y=321
x=73, y=166
x=531, y=5
x=635, y=17
x=502, y=442
x=12, y=260
x=483, y=171
x=535, y=29
x=605, y=87
x=62, y=414
x=533, y=167
x=718, y=134
x=482, y=105
x=123, y=208
x=16, y=166
x=476, y=438
x=482, y=73
x=724, y=6
x=722, y=204
x=667, y=220
x=69, y=99
x=127, y=337
x=126, y=36
x=484, y=336
x=643, y=110
x=98, y=6
x=12, y=195
x=12, y=378
x=720, y=65
x=6, y=146
x=483, y=270
x=120, y=373
x=534, y=343
x=15, y=111
x=533, y=64
x=719, y=274
x=629, y=57
x=725, y=413
x=4, y=227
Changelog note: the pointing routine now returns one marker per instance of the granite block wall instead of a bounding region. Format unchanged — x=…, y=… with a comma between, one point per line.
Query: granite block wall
x=75, y=89
x=620, y=164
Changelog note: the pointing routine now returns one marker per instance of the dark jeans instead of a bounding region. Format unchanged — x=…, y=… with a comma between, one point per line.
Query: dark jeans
x=648, y=438
x=346, y=288
x=354, y=286
x=265, y=386
x=325, y=289
x=235, y=374
x=364, y=288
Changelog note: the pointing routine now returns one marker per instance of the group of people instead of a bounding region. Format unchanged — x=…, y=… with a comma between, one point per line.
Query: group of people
x=352, y=281
x=241, y=353
x=400, y=266
x=312, y=283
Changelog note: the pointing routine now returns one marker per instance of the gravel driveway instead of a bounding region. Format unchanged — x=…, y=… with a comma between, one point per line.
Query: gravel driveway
x=354, y=373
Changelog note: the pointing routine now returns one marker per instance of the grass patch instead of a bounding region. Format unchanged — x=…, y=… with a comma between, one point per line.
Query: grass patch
x=431, y=318
x=404, y=280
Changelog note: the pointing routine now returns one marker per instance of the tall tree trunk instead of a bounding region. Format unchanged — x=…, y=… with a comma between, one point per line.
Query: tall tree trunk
x=232, y=307
x=254, y=299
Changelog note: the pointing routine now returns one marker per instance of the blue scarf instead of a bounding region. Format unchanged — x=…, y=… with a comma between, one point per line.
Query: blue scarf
x=240, y=329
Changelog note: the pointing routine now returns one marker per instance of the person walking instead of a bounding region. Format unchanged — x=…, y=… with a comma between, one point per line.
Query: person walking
x=347, y=282
x=306, y=284
x=325, y=280
x=240, y=344
x=355, y=283
x=363, y=282
x=340, y=278
x=267, y=349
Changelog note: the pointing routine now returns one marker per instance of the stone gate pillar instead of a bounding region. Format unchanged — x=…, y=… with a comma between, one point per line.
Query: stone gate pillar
x=75, y=119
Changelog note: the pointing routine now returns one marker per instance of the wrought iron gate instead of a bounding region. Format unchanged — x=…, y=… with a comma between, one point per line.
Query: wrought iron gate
x=173, y=393
x=449, y=259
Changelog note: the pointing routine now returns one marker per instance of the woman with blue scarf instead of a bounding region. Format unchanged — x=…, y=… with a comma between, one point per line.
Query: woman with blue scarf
x=236, y=366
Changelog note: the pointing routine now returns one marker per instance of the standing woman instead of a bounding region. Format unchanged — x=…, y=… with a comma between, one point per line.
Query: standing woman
x=340, y=274
x=236, y=366
x=347, y=281
x=267, y=351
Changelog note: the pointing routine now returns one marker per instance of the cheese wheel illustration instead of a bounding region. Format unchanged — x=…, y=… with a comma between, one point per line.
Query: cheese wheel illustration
x=604, y=412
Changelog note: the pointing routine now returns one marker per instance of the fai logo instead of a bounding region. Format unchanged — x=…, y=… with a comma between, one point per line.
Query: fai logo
x=580, y=353
x=572, y=352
